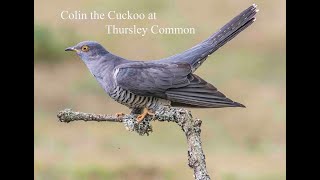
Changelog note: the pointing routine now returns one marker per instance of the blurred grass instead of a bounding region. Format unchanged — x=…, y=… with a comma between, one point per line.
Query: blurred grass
x=45, y=45
x=239, y=143
x=48, y=44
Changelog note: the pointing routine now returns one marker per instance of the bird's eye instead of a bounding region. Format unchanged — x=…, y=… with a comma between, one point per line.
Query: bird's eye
x=85, y=48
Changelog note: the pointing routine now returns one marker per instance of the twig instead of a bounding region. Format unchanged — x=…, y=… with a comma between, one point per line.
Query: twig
x=182, y=117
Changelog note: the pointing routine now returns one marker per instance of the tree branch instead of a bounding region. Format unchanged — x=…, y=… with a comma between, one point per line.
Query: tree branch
x=190, y=126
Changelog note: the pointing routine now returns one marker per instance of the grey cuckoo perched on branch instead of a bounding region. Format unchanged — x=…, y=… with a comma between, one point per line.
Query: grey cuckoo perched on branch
x=146, y=85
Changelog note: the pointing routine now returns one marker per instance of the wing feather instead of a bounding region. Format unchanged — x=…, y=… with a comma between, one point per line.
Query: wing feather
x=152, y=79
x=172, y=81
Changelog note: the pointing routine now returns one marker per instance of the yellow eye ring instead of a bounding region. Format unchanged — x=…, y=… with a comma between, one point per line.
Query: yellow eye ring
x=85, y=48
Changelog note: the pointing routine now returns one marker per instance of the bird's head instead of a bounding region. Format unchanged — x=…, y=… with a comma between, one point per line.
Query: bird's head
x=88, y=50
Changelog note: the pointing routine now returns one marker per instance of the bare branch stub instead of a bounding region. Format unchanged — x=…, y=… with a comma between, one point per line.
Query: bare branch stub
x=191, y=127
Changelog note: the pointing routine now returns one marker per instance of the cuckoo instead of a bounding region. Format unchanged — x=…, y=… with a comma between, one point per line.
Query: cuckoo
x=145, y=86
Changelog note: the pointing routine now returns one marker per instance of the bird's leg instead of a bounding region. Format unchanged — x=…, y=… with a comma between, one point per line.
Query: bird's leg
x=143, y=114
x=120, y=114
x=136, y=110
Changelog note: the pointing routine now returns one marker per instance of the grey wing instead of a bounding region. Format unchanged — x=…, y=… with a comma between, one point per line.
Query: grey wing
x=174, y=82
x=151, y=79
x=199, y=93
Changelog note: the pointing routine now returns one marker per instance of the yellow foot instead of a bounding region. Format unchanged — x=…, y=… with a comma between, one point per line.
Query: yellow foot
x=120, y=114
x=143, y=114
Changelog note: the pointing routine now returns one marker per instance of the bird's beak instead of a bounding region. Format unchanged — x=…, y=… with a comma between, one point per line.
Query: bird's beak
x=70, y=49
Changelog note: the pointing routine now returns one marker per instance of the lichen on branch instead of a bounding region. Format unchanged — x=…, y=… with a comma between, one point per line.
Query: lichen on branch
x=191, y=127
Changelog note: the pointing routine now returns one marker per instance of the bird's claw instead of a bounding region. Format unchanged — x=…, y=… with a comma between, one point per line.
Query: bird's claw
x=140, y=118
x=145, y=112
x=120, y=114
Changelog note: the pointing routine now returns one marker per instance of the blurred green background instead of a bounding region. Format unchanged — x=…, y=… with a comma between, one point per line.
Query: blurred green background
x=240, y=144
